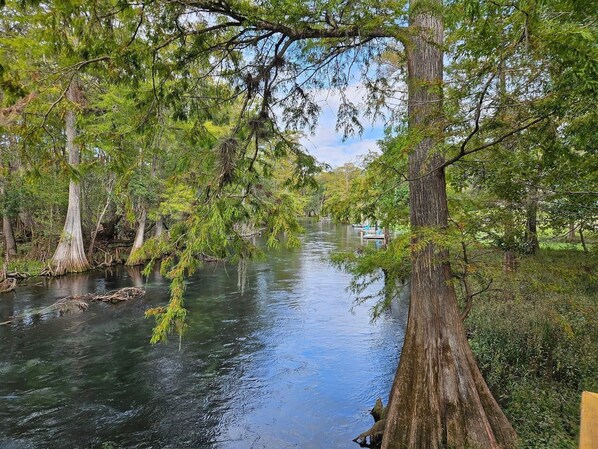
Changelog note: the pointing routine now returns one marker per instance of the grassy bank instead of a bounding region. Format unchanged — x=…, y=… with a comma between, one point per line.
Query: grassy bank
x=28, y=266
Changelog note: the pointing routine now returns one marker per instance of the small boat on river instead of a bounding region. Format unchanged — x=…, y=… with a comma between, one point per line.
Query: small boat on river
x=379, y=235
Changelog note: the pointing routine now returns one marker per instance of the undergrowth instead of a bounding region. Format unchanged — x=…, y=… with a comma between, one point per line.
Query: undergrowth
x=535, y=337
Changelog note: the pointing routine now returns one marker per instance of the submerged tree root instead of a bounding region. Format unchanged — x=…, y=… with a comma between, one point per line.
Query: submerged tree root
x=8, y=281
x=80, y=303
x=375, y=432
x=7, y=285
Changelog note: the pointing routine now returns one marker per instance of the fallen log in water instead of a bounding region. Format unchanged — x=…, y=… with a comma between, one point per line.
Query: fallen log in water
x=114, y=296
x=80, y=303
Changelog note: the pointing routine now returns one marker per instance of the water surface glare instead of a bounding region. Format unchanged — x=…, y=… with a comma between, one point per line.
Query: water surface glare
x=286, y=364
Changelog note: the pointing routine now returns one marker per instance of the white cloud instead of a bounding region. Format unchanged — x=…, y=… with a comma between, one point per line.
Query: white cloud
x=336, y=152
x=326, y=144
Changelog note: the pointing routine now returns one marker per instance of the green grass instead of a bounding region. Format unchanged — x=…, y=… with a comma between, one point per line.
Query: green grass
x=569, y=246
x=32, y=267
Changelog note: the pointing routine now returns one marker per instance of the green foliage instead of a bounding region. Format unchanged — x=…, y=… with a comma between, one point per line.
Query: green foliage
x=29, y=266
x=374, y=192
x=370, y=266
x=216, y=204
x=337, y=185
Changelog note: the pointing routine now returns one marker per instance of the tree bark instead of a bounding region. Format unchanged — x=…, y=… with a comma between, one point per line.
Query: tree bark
x=510, y=242
x=94, y=234
x=439, y=398
x=531, y=225
x=582, y=239
x=571, y=232
x=509, y=261
x=159, y=230
x=10, y=246
x=134, y=258
x=69, y=256
x=159, y=223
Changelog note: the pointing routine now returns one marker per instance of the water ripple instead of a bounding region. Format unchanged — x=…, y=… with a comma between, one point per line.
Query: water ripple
x=287, y=364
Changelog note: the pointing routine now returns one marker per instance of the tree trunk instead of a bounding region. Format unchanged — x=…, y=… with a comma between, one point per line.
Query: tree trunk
x=69, y=256
x=109, y=229
x=531, y=226
x=10, y=246
x=159, y=228
x=9, y=239
x=439, y=398
x=134, y=256
x=94, y=234
x=509, y=261
x=571, y=232
x=510, y=242
x=582, y=239
x=159, y=223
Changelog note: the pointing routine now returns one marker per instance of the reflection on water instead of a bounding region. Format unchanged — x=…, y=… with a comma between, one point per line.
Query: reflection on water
x=285, y=364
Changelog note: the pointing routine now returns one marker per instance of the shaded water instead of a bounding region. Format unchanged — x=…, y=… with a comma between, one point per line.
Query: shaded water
x=285, y=364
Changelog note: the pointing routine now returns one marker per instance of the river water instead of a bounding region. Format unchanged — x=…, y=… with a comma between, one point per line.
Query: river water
x=286, y=363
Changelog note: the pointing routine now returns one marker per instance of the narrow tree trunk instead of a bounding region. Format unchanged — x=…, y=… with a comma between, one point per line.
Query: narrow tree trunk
x=510, y=244
x=134, y=256
x=159, y=230
x=571, y=232
x=10, y=246
x=531, y=225
x=439, y=398
x=583, y=240
x=159, y=223
x=69, y=256
x=509, y=261
x=94, y=234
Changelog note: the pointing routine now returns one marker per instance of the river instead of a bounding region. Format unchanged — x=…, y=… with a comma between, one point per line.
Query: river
x=285, y=363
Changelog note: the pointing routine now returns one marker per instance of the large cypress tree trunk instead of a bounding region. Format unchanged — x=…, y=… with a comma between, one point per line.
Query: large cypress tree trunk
x=439, y=398
x=134, y=256
x=69, y=256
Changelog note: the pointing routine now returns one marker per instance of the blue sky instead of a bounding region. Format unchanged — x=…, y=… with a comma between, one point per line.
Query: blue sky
x=327, y=145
